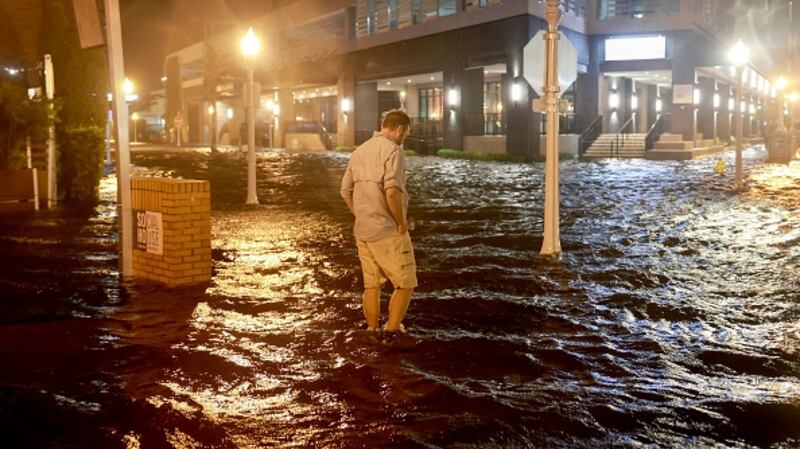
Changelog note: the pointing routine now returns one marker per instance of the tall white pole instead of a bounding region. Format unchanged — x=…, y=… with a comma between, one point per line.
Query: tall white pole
x=50, y=88
x=739, y=124
x=117, y=74
x=551, y=244
x=252, y=197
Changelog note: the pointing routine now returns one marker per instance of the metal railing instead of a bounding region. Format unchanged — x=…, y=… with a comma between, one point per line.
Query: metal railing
x=621, y=137
x=425, y=127
x=637, y=9
x=590, y=134
x=308, y=127
x=486, y=124
x=658, y=127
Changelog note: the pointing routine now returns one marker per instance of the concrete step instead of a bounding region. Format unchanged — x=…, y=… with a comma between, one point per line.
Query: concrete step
x=704, y=143
x=673, y=145
x=666, y=137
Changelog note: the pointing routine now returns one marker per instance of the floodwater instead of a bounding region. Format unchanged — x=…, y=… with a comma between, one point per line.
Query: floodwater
x=671, y=319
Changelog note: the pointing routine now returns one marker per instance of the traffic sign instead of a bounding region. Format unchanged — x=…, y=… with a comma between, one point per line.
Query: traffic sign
x=534, y=60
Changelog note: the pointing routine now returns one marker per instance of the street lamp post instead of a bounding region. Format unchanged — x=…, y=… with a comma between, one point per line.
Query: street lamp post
x=250, y=47
x=739, y=55
x=135, y=118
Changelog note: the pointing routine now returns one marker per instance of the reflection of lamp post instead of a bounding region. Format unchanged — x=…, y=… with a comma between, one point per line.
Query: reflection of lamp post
x=739, y=55
x=250, y=47
x=134, y=118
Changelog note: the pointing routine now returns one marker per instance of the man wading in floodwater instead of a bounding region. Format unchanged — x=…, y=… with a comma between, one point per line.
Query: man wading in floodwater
x=374, y=188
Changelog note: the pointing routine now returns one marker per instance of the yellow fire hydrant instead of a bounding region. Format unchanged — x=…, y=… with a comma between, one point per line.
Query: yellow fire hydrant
x=720, y=167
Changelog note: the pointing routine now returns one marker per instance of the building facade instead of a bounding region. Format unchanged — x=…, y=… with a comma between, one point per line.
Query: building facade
x=334, y=67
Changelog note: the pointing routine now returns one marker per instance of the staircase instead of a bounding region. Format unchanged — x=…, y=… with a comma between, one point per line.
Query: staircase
x=622, y=146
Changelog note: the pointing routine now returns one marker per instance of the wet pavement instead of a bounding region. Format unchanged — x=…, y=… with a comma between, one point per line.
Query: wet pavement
x=671, y=319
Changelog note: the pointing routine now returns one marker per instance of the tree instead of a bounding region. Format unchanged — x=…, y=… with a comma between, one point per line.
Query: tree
x=20, y=118
x=81, y=83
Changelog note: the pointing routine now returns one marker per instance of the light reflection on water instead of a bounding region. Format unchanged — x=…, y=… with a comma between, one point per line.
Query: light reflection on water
x=670, y=320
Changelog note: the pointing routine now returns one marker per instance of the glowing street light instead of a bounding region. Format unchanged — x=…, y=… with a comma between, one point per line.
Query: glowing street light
x=250, y=44
x=128, y=90
x=739, y=55
x=781, y=83
x=250, y=47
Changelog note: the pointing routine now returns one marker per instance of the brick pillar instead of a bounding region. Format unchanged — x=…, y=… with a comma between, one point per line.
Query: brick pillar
x=172, y=234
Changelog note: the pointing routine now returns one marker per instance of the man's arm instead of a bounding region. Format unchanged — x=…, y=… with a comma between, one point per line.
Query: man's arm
x=349, y=201
x=347, y=188
x=394, y=199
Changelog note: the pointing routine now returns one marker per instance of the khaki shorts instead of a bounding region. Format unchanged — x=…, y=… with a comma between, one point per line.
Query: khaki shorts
x=391, y=257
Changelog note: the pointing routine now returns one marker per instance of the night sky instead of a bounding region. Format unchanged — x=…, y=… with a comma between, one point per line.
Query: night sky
x=154, y=28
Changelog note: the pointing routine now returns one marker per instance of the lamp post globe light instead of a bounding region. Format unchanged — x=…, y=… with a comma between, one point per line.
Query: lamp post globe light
x=250, y=48
x=738, y=55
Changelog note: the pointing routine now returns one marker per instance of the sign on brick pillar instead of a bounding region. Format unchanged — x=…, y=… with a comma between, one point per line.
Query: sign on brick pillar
x=172, y=229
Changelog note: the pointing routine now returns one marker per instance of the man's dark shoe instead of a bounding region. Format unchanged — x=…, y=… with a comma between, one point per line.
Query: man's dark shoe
x=388, y=337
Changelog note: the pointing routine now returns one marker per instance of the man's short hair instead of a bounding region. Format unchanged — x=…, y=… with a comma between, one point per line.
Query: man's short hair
x=395, y=118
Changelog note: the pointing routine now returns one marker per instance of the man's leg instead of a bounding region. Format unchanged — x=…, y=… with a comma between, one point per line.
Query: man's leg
x=398, y=307
x=372, y=307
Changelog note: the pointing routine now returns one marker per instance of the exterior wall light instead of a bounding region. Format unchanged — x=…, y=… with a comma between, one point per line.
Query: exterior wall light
x=347, y=105
x=659, y=105
x=270, y=104
x=276, y=109
x=716, y=101
x=229, y=114
x=731, y=104
x=452, y=98
x=634, y=102
x=516, y=92
x=613, y=101
x=211, y=110
x=752, y=108
x=696, y=96
x=743, y=106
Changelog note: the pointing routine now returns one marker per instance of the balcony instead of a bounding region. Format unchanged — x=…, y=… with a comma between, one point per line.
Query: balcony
x=379, y=22
x=631, y=16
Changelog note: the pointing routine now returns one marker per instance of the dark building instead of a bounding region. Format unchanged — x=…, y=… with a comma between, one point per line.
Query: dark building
x=333, y=67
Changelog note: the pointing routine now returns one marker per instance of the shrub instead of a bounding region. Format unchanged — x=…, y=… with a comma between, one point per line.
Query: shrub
x=410, y=153
x=477, y=156
x=81, y=158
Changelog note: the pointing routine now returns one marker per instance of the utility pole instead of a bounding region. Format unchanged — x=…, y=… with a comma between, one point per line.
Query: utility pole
x=551, y=245
x=117, y=73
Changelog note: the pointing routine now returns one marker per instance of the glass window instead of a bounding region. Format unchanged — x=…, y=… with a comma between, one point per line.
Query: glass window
x=430, y=103
x=393, y=16
x=447, y=7
x=372, y=17
x=417, y=14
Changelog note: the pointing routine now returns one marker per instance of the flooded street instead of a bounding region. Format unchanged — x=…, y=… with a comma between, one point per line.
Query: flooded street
x=671, y=320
